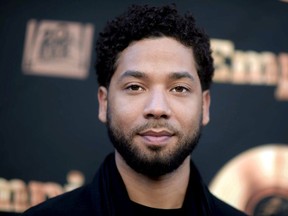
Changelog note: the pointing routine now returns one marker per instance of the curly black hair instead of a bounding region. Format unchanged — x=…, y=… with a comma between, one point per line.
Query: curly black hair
x=140, y=22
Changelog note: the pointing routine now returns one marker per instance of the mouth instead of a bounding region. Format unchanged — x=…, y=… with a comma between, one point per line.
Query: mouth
x=156, y=137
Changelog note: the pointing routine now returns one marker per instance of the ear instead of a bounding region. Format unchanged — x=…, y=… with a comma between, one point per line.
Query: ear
x=102, y=100
x=206, y=107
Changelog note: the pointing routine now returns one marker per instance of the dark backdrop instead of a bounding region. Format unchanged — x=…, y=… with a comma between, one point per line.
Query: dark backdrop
x=49, y=125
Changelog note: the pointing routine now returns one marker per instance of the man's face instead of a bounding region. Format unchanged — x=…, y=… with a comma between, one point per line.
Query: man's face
x=154, y=107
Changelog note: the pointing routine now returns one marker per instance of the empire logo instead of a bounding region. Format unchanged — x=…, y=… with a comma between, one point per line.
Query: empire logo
x=250, y=68
x=17, y=196
x=57, y=48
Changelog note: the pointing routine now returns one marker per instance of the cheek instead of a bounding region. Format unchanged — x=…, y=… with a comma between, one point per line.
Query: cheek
x=123, y=113
x=188, y=114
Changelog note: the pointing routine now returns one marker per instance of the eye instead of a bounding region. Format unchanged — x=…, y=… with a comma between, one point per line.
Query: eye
x=134, y=87
x=180, y=89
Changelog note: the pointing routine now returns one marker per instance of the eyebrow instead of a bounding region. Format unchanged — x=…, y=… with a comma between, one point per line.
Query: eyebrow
x=181, y=75
x=132, y=73
x=141, y=75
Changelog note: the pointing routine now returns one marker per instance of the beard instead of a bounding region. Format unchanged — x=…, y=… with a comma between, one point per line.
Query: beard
x=157, y=162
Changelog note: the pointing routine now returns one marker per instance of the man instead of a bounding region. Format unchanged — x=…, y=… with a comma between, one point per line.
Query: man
x=154, y=70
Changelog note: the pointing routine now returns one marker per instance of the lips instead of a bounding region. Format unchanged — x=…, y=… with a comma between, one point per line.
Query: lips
x=156, y=137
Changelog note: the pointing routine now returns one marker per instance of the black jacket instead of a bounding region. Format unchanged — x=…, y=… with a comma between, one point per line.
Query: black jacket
x=106, y=195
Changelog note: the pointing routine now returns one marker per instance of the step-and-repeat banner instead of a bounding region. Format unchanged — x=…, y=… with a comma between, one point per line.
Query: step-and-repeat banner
x=51, y=140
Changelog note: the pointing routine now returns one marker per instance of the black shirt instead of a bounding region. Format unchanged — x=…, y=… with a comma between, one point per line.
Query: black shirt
x=141, y=210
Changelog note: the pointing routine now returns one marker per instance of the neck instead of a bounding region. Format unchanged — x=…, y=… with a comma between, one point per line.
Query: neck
x=165, y=192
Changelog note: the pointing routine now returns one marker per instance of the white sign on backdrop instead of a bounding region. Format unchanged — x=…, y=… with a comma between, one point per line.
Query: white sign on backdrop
x=58, y=48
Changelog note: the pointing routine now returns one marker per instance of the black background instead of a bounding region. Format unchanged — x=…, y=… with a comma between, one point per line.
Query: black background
x=49, y=126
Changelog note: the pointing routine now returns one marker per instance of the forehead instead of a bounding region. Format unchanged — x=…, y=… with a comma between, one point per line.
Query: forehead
x=156, y=55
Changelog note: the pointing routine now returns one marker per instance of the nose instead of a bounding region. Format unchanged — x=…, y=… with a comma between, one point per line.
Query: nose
x=157, y=105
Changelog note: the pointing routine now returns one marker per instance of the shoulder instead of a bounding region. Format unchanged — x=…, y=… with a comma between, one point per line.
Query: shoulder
x=76, y=202
x=222, y=208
